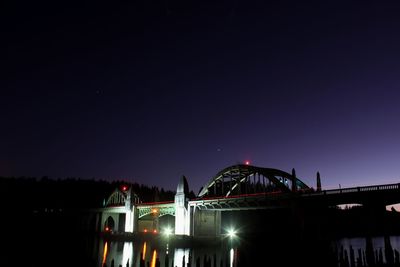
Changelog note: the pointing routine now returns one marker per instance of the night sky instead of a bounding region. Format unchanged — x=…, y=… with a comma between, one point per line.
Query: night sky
x=147, y=91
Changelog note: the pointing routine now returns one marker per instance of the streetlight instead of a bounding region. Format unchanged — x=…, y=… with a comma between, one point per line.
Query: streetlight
x=231, y=233
x=168, y=231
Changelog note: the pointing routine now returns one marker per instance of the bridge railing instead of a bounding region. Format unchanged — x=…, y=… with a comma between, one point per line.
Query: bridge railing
x=358, y=189
x=274, y=193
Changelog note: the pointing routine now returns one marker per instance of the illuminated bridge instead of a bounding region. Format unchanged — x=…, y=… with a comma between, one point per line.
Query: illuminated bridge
x=236, y=188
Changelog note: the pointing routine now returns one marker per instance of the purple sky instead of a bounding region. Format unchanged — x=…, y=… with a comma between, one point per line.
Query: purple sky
x=149, y=91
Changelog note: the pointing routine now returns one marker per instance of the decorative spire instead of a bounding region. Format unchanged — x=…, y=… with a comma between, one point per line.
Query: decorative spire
x=294, y=181
x=183, y=187
x=318, y=182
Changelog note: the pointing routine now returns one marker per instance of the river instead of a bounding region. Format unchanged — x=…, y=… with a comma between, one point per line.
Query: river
x=230, y=254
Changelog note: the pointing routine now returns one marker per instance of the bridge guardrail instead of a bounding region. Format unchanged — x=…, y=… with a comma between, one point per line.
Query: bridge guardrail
x=277, y=193
x=358, y=189
x=244, y=196
x=310, y=192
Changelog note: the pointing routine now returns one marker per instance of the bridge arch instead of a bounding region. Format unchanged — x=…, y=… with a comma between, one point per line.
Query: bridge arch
x=122, y=198
x=117, y=198
x=246, y=179
x=156, y=211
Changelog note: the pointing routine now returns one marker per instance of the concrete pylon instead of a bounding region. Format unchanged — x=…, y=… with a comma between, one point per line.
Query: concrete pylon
x=182, y=217
x=130, y=214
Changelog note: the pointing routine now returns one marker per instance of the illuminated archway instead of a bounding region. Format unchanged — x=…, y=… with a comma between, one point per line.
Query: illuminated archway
x=120, y=198
x=246, y=179
x=109, y=225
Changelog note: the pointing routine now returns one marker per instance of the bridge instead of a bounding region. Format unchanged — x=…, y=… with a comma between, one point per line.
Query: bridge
x=236, y=188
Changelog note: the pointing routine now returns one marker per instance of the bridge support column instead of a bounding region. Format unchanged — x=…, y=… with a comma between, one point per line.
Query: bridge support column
x=135, y=212
x=130, y=212
x=131, y=220
x=207, y=223
x=182, y=216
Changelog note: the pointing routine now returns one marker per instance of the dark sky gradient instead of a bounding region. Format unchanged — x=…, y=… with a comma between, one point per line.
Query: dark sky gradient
x=149, y=90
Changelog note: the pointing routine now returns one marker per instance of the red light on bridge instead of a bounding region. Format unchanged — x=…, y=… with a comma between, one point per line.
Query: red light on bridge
x=124, y=188
x=155, y=231
x=107, y=229
x=247, y=162
x=145, y=230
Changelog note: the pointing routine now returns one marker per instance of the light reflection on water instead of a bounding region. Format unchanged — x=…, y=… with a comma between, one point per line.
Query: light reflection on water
x=181, y=256
x=127, y=253
x=154, y=258
x=231, y=257
x=144, y=250
x=105, y=250
x=136, y=254
x=360, y=244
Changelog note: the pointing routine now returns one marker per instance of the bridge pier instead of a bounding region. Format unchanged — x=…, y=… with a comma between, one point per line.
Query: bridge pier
x=182, y=214
x=375, y=218
x=131, y=217
x=206, y=223
x=130, y=221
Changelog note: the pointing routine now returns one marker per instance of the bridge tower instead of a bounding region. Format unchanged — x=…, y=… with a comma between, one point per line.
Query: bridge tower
x=182, y=216
x=120, y=209
x=131, y=213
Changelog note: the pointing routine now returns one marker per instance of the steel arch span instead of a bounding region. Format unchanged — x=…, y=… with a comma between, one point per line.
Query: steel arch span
x=246, y=179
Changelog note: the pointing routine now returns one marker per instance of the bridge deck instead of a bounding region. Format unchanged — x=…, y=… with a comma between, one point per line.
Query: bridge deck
x=269, y=200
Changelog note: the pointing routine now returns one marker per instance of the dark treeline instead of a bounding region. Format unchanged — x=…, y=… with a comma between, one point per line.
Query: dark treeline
x=37, y=194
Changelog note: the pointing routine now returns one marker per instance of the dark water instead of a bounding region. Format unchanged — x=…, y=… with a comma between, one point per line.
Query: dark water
x=57, y=239
x=94, y=251
x=133, y=254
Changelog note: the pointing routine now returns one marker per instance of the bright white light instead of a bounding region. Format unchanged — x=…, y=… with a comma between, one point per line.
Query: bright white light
x=231, y=233
x=168, y=231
